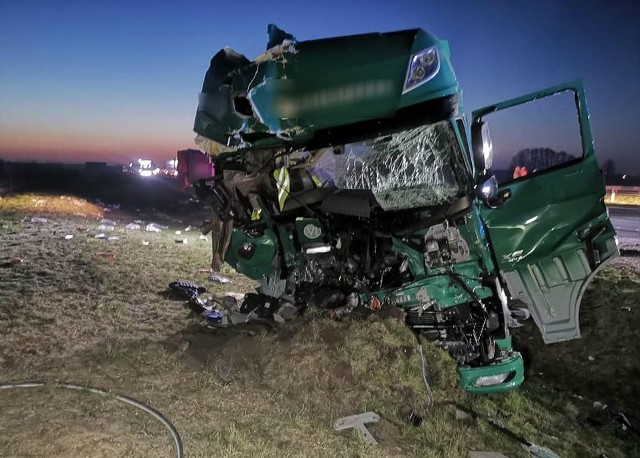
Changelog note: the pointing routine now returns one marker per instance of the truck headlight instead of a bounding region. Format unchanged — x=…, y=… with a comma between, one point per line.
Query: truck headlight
x=488, y=380
x=423, y=66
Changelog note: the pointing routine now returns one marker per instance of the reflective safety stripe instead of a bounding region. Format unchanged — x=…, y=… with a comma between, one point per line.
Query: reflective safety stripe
x=282, y=185
x=317, y=181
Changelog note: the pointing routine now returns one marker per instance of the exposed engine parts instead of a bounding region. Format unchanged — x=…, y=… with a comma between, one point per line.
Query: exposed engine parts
x=443, y=246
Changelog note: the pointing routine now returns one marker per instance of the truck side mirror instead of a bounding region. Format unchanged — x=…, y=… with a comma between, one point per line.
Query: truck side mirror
x=482, y=146
x=487, y=191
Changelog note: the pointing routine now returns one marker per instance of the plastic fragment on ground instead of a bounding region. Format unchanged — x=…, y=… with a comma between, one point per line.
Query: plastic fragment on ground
x=154, y=227
x=105, y=227
x=100, y=236
x=39, y=219
x=108, y=222
x=106, y=254
x=133, y=226
x=145, y=242
x=219, y=279
x=357, y=422
x=114, y=237
x=68, y=236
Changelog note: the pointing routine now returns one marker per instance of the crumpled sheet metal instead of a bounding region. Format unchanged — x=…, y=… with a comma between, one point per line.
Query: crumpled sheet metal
x=409, y=169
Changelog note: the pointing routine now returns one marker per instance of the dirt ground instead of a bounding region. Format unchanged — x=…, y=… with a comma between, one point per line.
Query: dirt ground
x=94, y=312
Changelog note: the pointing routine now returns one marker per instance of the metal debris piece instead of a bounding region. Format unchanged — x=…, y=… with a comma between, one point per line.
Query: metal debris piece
x=100, y=236
x=357, y=422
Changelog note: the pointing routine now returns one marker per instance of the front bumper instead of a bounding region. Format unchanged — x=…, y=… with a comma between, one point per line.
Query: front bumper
x=512, y=366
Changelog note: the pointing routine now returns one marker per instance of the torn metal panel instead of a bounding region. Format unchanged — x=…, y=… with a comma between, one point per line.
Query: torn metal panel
x=414, y=168
x=298, y=89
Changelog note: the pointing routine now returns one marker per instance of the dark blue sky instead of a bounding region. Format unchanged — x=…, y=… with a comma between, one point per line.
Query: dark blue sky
x=116, y=79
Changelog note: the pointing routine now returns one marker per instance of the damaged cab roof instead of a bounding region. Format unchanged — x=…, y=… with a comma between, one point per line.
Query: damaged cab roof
x=314, y=92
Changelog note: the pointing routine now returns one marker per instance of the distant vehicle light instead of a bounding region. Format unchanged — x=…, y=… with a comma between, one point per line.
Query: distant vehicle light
x=146, y=173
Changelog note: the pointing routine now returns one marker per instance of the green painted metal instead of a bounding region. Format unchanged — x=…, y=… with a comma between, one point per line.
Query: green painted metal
x=548, y=269
x=439, y=288
x=299, y=89
x=312, y=85
x=513, y=366
x=260, y=263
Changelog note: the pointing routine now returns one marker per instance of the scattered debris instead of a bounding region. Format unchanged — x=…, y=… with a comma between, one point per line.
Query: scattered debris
x=145, y=242
x=106, y=254
x=138, y=221
x=189, y=228
x=627, y=309
x=534, y=450
x=591, y=358
x=624, y=422
x=153, y=227
x=462, y=415
x=133, y=226
x=358, y=422
x=39, y=219
x=203, y=237
x=178, y=232
x=108, y=222
x=186, y=289
x=203, y=271
x=68, y=236
x=219, y=279
x=183, y=241
x=287, y=311
x=114, y=237
x=105, y=227
x=100, y=236
x=599, y=405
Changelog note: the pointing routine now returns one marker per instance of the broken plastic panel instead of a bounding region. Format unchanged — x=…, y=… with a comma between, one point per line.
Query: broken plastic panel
x=409, y=169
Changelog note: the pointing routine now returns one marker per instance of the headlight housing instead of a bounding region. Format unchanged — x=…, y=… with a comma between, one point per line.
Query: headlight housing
x=488, y=380
x=422, y=67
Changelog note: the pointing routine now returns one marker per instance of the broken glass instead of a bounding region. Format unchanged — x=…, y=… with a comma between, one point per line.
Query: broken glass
x=409, y=169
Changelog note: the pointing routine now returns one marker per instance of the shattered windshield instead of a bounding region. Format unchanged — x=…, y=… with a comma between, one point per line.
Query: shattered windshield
x=409, y=169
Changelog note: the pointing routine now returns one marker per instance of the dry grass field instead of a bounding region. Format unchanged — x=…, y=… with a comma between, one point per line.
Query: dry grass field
x=93, y=312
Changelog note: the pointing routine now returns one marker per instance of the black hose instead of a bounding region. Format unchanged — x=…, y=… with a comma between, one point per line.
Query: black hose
x=150, y=410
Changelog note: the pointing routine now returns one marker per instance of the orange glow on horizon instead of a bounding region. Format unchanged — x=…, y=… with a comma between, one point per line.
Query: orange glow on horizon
x=60, y=146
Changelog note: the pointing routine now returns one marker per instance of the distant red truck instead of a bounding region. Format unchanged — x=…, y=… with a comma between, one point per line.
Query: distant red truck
x=193, y=165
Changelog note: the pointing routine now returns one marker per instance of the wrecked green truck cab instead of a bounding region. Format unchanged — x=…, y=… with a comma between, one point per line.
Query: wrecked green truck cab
x=347, y=176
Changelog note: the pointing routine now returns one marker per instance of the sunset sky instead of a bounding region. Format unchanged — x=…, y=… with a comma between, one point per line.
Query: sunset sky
x=115, y=80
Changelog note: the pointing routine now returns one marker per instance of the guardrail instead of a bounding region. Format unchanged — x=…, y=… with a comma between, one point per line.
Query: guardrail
x=614, y=192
